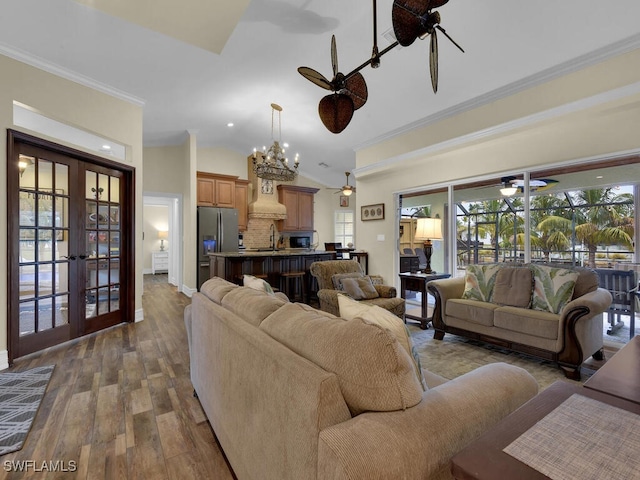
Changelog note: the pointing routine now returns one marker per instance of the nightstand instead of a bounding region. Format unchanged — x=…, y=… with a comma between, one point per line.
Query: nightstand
x=159, y=262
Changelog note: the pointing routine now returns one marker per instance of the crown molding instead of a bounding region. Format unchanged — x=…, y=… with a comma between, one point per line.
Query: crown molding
x=49, y=67
x=589, y=59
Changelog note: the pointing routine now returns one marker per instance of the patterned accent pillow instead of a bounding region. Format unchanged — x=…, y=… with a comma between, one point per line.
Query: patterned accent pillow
x=552, y=287
x=257, y=284
x=350, y=309
x=337, y=279
x=479, y=281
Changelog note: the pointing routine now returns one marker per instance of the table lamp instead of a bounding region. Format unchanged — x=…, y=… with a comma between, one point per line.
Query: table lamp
x=428, y=229
x=162, y=235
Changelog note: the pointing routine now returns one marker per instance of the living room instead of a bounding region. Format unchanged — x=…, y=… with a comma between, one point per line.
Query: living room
x=571, y=110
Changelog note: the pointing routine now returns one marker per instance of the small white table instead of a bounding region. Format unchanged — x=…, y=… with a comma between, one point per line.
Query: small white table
x=160, y=261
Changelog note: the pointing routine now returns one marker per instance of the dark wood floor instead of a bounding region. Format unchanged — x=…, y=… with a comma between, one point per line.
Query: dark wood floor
x=120, y=402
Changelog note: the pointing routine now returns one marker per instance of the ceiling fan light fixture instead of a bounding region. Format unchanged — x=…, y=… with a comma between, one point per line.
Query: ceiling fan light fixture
x=508, y=191
x=347, y=191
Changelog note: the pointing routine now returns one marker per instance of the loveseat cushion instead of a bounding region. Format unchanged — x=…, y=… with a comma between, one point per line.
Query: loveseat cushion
x=350, y=309
x=338, y=277
x=216, y=288
x=374, y=372
x=553, y=287
x=513, y=287
x=471, y=310
x=479, y=281
x=527, y=321
x=251, y=305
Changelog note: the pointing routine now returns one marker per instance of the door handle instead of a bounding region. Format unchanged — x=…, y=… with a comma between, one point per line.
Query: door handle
x=70, y=257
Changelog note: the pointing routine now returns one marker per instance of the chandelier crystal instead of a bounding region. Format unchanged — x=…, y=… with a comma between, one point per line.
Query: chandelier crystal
x=271, y=163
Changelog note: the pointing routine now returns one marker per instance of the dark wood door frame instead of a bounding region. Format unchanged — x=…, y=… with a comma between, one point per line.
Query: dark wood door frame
x=127, y=254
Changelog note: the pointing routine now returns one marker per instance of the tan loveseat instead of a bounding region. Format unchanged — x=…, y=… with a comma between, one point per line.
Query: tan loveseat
x=278, y=415
x=327, y=272
x=568, y=337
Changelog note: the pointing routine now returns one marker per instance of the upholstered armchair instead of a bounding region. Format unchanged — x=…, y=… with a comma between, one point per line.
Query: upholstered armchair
x=329, y=274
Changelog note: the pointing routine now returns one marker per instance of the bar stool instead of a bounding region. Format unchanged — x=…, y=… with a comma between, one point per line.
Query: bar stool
x=293, y=279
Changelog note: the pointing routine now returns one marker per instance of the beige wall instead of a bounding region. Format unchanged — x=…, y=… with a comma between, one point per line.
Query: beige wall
x=79, y=106
x=156, y=218
x=222, y=161
x=592, y=113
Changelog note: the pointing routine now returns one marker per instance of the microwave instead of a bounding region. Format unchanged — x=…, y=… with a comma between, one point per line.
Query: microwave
x=299, y=242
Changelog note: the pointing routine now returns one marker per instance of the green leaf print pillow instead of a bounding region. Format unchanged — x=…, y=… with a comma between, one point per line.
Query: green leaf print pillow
x=552, y=287
x=479, y=281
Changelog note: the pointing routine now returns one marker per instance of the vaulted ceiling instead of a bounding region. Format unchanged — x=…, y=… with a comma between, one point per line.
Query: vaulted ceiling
x=198, y=65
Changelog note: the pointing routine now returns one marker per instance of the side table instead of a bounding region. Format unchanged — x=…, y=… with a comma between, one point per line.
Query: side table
x=417, y=282
x=159, y=261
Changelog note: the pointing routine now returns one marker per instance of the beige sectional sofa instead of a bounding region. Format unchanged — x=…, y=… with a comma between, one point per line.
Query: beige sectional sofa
x=278, y=414
x=510, y=309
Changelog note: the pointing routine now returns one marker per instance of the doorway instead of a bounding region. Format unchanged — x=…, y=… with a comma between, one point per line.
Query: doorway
x=70, y=235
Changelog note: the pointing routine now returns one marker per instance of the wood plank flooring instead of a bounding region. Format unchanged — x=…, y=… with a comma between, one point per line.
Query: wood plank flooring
x=120, y=403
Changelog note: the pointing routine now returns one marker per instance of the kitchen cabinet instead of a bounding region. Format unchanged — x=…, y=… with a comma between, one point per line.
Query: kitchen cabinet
x=242, y=203
x=299, y=204
x=216, y=190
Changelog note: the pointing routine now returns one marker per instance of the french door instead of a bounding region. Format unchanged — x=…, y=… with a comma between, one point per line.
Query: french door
x=70, y=249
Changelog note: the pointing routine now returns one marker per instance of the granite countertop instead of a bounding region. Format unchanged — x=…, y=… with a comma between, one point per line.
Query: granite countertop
x=267, y=253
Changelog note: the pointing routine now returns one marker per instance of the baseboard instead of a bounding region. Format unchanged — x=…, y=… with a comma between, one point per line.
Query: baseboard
x=4, y=359
x=139, y=315
x=188, y=291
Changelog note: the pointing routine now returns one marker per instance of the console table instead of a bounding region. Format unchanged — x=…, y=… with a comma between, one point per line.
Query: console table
x=417, y=282
x=485, y=459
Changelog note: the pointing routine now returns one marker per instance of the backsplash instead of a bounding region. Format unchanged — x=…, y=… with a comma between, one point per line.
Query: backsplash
x=258, y=233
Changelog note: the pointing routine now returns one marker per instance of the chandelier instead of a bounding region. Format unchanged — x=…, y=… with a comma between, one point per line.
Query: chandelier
x=271, y=164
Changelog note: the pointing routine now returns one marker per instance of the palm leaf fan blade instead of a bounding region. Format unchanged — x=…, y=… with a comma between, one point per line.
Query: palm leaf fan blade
x=433, y=61
x=357, y=90
x=336, y=111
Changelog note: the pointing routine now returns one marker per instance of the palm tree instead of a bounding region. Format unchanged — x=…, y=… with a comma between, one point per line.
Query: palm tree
x=552, y=219
x=601, y=221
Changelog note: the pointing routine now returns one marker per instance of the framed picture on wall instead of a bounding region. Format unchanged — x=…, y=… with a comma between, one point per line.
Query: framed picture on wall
x=372, y=212
x=344, y=201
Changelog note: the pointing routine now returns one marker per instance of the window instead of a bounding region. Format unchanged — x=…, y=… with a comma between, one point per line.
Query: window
x=344, y=227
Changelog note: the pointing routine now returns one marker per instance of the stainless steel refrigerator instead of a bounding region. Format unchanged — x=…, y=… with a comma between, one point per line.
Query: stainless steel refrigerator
x=217, y=232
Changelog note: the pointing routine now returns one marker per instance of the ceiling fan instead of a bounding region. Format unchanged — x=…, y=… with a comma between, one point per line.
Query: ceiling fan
x=346, y=189
x=413, y=19
x=512, y=185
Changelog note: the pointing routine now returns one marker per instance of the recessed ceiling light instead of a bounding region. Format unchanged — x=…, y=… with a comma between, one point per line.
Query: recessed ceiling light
x=230, y=124
x=106, y=147
x=599, y=177
x=285, y=145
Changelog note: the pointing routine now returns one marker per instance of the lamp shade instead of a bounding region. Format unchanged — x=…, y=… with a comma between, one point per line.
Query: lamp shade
x=508, y=191
x=429, y=229
x=163, y=234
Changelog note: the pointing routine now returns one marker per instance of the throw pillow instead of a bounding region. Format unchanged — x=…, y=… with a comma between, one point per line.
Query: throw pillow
x=257, y=284
x=513, y=287
x=359, y=288
x=373, y=370
x=479, y=281
x=553, y=287
x=350, y=309
x=337, y=278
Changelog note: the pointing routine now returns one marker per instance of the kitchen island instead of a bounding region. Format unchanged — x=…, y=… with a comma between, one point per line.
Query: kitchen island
x=268, y=265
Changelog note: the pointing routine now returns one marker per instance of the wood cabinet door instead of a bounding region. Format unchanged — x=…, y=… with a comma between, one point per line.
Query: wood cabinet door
x=225, y=193
x=205, y=189
x=290, y=201
x=305, y=211
x=242, y=205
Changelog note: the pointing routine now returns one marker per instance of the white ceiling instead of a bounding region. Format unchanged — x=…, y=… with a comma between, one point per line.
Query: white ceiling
x=189, y=87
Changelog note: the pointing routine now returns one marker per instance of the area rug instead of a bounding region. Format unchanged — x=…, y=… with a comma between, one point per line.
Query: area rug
x=20, y=397
x=455, y=356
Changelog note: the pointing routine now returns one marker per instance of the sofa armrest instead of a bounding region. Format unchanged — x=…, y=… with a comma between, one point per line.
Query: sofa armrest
x=329, y=301
x=442, y=290
x=581, y=324
x=425, y=437
x=386, y=291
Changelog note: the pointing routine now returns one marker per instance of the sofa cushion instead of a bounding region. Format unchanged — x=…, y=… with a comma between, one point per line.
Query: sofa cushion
x=350, y=309
x=257, y=284
x=338, y=277
x=359, y=288
x=374, y=372
x=553, y=287
x=513, y=287
x=527, y=321
x=471, y=310
x=252, y=305
x=216, y=288
x=479, y=281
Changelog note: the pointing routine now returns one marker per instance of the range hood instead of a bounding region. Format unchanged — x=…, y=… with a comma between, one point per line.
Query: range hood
x=264, y=202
